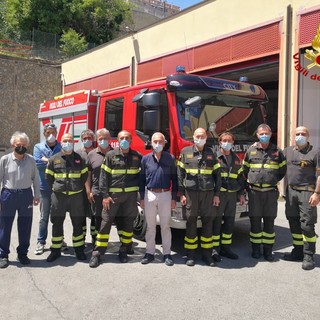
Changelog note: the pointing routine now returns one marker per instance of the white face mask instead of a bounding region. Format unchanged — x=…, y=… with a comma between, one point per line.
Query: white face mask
x=51, y=138
x=226, y=146
x=301, y=140
x=199, y=142
x=157, y=147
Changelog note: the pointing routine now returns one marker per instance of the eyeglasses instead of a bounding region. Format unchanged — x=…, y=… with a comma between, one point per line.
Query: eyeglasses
x=49, y=126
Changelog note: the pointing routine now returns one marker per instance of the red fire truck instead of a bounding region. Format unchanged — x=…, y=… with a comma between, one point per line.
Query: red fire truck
x=175, y=106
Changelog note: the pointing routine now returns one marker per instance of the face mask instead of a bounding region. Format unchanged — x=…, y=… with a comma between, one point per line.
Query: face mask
x=264, y=139
x=51, y=138
x=67, y=147
x=226, y=146
x=124, y=144
x=301, y=140
x=103, y=144
x=87, y=143
x=157, y=147
x=199, y=142
x=20, y=150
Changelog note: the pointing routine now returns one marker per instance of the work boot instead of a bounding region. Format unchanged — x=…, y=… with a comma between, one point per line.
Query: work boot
x=190, y=258
x=267, y=253
x=295, y=255
x=123, y=257
x=80, y=253
x=207, y=258
x=228, y=253
x=308, y=262
x=54, y=255
x=216, y=256
x=130, y=249
x=256, y=254
x=94, y=261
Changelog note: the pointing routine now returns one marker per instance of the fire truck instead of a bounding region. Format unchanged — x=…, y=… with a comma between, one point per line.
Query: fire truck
x=175, y=106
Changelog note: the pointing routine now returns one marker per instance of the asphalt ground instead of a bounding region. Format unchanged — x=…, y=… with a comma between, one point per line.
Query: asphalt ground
x=240, y=289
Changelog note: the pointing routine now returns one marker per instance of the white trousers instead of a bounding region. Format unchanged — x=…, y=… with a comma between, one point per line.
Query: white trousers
x=158, y=203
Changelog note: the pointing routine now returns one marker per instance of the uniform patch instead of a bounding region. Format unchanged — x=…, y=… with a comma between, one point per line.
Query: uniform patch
x=58, y=161
x=237, y=162
x=189, y=156
x=253, y=153
x=210, y=157
x=135, y=158
x=77, y=161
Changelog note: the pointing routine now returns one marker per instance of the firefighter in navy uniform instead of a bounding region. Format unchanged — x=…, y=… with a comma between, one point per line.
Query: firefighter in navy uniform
x=302, y=197
x=232, y=189
x=66, y=174
x=199, y=183
x=119, y=185
x=264, y=165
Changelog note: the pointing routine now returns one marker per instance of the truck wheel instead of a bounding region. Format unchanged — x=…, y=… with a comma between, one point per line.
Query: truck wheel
x=139, y=225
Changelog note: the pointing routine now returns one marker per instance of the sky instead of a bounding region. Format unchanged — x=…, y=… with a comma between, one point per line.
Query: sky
x=183, y=3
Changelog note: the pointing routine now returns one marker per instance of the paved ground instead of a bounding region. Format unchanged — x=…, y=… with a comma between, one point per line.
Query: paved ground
x=242, y=289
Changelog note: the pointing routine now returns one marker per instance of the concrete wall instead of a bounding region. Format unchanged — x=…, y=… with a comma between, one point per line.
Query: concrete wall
x=24, y=84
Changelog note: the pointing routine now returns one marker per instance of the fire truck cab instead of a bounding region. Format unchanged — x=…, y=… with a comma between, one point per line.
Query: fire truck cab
x=175, y=106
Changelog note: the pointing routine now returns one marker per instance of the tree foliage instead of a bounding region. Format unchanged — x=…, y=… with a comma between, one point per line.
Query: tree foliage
x=97, y=21
x=72, y=43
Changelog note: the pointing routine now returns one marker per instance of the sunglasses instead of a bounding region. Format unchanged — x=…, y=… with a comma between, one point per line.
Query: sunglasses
x=50, y=126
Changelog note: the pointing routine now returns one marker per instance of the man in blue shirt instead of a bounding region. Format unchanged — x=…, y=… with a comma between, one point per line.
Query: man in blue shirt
x=42, y=152
x=158, y=192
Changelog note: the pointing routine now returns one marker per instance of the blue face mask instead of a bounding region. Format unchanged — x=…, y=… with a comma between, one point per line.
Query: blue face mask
x=103, y=144
x=264, y=138
x=67, y=146
x=124, y=144
x=301, y=140
x=87, y=143
x=226, y=146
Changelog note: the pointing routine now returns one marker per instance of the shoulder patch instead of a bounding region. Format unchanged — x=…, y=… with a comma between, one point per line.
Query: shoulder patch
x=253, y=153
x=57, y=161
x=189, y=156
x=135, y=158
x=210, y=157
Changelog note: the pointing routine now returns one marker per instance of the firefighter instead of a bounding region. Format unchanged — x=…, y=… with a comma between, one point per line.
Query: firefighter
x=302, y=197
x=199, y=183
x=264, y=165
x=66, y=175
x=94, y=162
x=119, y=185
x=87, y=138
x=232, y=188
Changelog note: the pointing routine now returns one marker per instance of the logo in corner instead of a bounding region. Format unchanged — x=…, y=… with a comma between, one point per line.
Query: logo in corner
x=314, y=55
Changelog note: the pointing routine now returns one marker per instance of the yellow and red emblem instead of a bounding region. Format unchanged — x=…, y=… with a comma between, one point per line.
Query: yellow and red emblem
x=314, y=55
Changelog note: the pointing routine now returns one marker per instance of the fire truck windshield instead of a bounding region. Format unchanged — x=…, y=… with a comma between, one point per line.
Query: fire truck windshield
x=216, y=115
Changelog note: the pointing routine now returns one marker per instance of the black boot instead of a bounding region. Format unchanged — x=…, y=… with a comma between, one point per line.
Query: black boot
x=207, y=258
x=123, y=257
x=295, y=255
x=54, y=255
x=190, y=258
x=80, y=253
x=256, y=254
x=228, y=253
x=267, y=252
x=308, y=262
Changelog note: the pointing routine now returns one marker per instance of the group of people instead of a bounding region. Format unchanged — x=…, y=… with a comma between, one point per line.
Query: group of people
x=105, y=184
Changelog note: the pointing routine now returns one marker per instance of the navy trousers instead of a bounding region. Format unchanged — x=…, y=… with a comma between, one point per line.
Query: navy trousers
x=13, y=201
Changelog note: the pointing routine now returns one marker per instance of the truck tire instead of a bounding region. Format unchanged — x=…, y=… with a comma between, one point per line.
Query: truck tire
x=139, y=225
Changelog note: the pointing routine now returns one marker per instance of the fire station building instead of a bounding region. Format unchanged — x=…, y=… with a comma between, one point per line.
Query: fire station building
x=274, y=43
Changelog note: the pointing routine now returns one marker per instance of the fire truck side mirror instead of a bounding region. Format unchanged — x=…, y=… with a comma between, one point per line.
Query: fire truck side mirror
x=151, y=121
x=151, y=99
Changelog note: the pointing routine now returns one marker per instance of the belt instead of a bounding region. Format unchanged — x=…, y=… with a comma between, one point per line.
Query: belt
x=262, y=189
x=16, y=190
x=311, y=188
x=158, y=190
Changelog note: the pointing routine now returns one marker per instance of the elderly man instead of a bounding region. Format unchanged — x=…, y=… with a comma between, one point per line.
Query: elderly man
x=42, y=152
x=158, y=174
x=66, y=175
x=18, y=172
x=302, y=197
x=199, y=182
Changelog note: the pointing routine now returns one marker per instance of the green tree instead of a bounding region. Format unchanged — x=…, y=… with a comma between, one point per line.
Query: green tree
x=96, y=20
x=72, y=43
